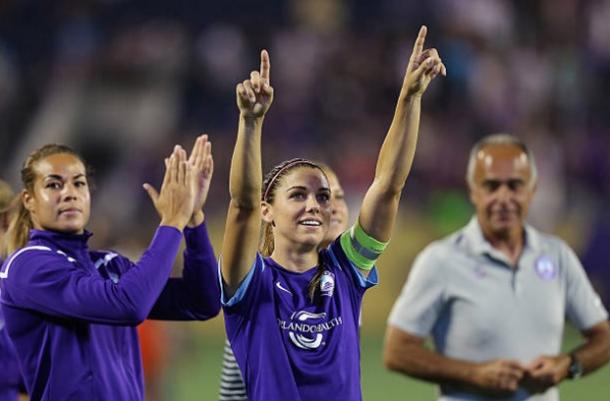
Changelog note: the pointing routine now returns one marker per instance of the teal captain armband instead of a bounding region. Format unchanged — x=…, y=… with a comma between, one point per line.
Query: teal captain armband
x=360, y=248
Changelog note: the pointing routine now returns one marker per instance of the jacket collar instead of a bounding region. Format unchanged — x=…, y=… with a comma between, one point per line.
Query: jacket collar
x=66, y=242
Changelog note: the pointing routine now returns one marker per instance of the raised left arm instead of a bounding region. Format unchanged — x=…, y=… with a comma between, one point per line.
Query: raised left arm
x=380, y=204
x=195, y=295
x=203, y=162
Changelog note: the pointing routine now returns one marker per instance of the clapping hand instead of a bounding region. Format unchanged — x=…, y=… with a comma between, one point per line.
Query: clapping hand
x=175, y=200
x=202, y=163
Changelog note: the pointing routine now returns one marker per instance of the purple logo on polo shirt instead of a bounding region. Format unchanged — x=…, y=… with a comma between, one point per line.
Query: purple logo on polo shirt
x=480, y=272
x=545, y=268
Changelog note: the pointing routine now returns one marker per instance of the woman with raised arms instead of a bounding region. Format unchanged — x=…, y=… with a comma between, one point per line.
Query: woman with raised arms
x=291, y=309
x=232, y=387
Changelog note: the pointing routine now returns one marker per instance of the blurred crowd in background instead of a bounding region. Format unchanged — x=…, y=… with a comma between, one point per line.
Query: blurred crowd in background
x=124, y=80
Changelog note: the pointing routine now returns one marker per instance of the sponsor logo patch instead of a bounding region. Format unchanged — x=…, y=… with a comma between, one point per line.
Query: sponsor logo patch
x=307, y=330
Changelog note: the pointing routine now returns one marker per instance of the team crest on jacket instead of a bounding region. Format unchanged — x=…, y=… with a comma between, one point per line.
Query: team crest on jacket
x=545, y=268
x=327, y=284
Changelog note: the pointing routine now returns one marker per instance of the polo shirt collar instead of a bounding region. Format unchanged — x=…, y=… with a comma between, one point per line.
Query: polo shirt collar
x=479, y=245
x=532, y=238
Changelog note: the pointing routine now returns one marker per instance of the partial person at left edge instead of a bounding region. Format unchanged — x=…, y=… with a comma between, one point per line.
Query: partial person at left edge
x=70, y=311
x=11, y=383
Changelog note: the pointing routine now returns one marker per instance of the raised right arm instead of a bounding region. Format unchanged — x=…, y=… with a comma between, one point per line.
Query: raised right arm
x=195, y=295
x=42, y=280
x=242, y=227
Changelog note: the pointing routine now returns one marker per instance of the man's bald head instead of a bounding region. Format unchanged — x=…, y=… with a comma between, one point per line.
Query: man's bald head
x=499, y=140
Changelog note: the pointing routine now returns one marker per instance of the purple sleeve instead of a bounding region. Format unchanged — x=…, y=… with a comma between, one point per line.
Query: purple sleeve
x=196, y=295
x=248, y=289
x=48, y=282
x=10, y=376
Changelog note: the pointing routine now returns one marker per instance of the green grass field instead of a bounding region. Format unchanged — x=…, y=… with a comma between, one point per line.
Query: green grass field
x=195, y=374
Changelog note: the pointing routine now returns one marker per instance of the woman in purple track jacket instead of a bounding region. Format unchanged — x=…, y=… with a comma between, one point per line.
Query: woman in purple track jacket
x=10, y=377
x=70, y=311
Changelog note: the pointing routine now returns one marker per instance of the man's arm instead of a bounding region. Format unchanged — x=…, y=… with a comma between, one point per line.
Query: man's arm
x=548, y=371
x=406, y=353
x=595, y=352
x=586, y=311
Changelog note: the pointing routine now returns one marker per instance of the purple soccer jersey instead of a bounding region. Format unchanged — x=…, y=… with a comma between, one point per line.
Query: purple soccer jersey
x=72, y=313
x=10, y=377
x=289, y=348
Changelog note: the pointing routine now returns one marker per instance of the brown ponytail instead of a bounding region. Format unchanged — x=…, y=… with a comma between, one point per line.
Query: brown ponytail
x=266, y=243
x=314, y=284
x=18, y=230
x=21, y=222
x=7, y=206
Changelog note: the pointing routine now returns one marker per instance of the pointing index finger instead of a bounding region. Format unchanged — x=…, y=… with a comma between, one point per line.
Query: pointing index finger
x=265, y=66
x=419, y=42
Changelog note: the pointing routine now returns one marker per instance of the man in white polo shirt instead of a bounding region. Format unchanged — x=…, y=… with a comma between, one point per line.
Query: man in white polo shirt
x=493, y=296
